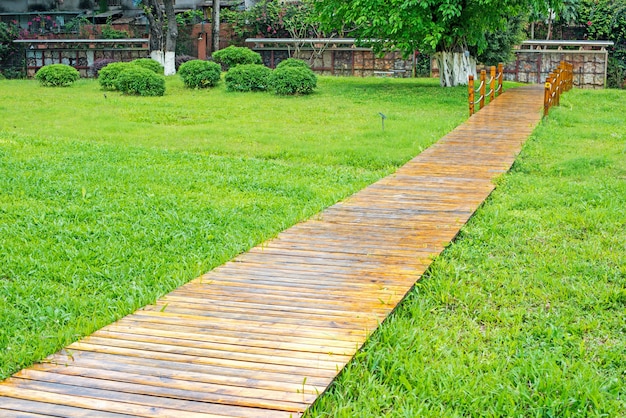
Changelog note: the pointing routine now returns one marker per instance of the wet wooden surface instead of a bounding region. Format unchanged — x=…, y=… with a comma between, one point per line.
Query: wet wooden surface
x=264, y=334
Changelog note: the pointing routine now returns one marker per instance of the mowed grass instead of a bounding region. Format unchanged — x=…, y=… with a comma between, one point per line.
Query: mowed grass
x=524, y=315
x=107, y=201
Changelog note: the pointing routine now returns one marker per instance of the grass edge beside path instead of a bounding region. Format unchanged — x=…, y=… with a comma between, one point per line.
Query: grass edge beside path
x=524, y=315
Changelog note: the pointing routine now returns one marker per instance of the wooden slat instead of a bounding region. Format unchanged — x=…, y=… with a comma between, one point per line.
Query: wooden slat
x=264, y=334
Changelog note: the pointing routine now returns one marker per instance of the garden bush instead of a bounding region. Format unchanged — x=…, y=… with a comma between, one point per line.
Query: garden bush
x=293, y=80
x=140, y=81
x=100, y=64
x=293, y=62
x=248, y=77
x=234, y=55
x=57, y=75
x=199, y=73
x=149, y=64
x=108, y=74
x=181, y=59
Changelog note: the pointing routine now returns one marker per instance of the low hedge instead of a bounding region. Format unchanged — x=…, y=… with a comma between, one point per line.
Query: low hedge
x=293, y=80
x=293, y=62
x=57, y=75
x=149, y=64
x=137, y=80
x=199, y=73
x=181, y=59
x=109, y=73
x=234, y=55
x=248, y=77
x=100, y=64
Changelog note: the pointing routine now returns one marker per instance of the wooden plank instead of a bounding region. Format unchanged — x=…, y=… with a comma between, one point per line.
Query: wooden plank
x=243, y=366
x=213, y=303
x=231, y=348
x=177, y=395
x=258, y=356
x=215, y=373
x=177, y=373
x=258, y=338
x=5, y=413
x=74, y=396
x=23, y=408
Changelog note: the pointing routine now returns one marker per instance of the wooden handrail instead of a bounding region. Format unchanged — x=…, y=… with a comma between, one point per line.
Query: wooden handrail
x=559, y=81
x=495, y=79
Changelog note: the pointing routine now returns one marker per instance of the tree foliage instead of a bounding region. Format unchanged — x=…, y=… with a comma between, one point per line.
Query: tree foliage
x=8, y=33
x=606, y=20
x=425, y=25
x=500, y=43
x=275, y=19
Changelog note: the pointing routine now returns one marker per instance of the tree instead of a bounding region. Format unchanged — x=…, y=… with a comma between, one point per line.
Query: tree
x=8, y=33
x=446, y=28
x=161, y=16
x=606, y=19
x=215, y=29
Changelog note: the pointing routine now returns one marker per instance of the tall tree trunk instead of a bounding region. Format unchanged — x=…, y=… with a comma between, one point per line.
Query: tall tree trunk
x=215, y=28
x=170, y=41
x=154, y=14
x=454, y=68
x=162, y=50
x=549, y=35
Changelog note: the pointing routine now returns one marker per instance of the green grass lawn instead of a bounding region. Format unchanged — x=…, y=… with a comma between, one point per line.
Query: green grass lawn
x=524, y=315
x=108, y=202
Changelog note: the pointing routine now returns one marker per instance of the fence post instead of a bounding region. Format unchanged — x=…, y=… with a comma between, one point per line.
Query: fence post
x=557, y=82
x=470, y=94
x=483, y=81
x=500, y=77
x=570, y=76
x=492, y=84
x=547, y=95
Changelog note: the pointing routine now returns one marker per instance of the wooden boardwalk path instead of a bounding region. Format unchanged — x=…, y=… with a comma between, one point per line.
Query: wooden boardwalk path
x=264, y=334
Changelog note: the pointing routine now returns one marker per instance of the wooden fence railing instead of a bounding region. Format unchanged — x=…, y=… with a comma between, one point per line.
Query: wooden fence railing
x=482, y=88
x=557, y=82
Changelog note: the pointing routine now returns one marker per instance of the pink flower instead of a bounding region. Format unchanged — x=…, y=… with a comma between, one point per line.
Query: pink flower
x=30, y=23
x=589, y=23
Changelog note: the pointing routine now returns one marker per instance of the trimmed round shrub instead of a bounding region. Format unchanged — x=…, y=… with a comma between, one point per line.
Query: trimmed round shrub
x=198, y=74
x=149, y=64
x=293, y=62
x=108, y=74
x=100, y=64
x=140, y=81
x=181, y=59
x=57, y=75
x=235, y=55
x=293, y=80
x=248, y=77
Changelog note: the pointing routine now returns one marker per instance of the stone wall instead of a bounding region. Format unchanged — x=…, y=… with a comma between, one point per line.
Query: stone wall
x=534, y=67
x=338, y=57
x=536, y=59
x=80, y=53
